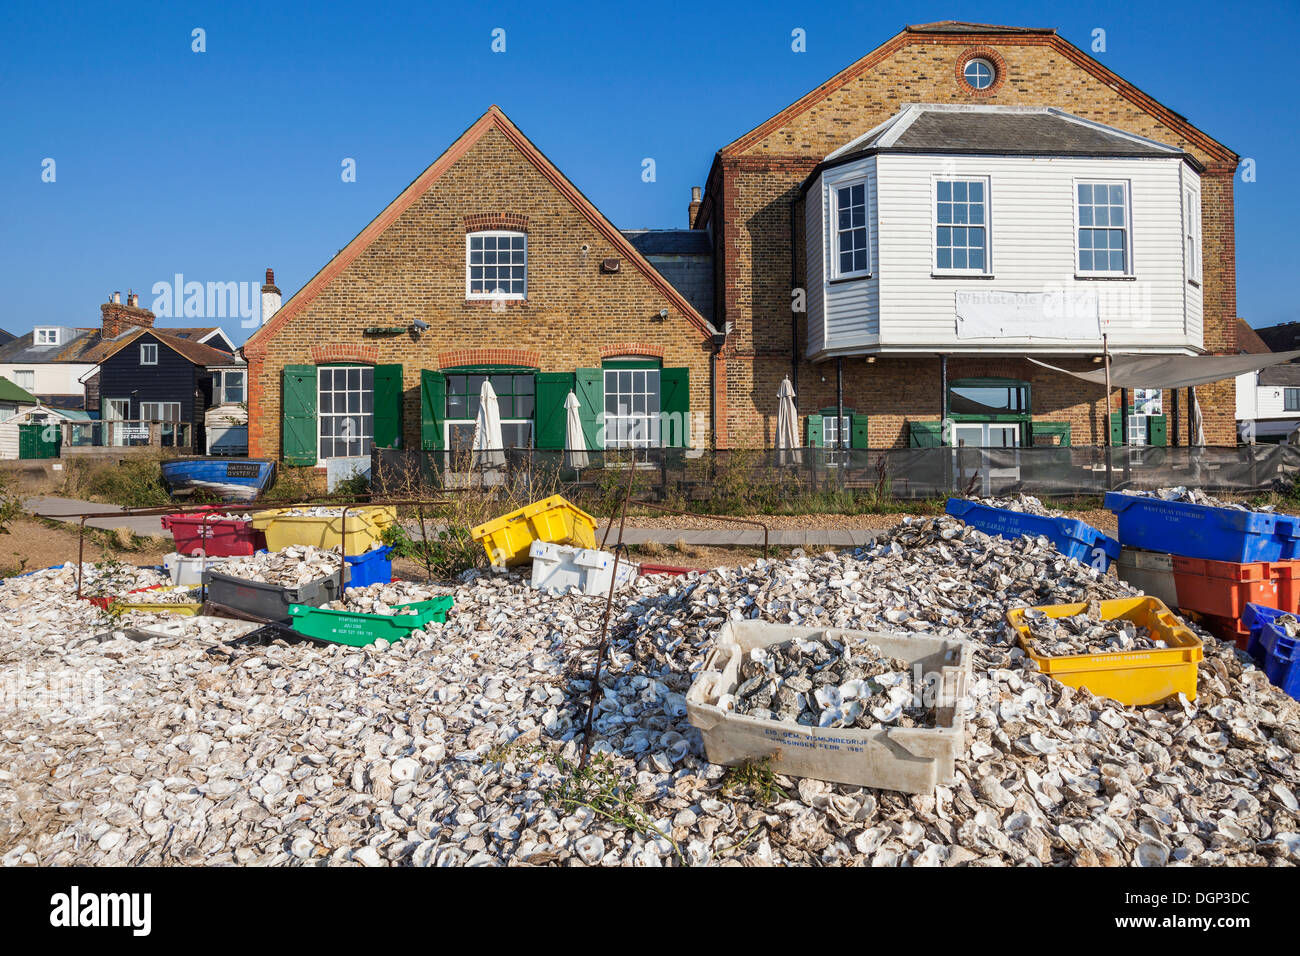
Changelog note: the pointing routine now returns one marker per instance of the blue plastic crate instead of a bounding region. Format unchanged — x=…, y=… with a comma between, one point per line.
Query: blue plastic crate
x=1200, y=531
x=1253, y=618
x=1278, y=657
x=373, y=567
x=1073, y=538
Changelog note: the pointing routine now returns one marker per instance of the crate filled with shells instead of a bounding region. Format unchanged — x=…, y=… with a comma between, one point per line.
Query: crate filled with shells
x=866, y=708
x=1133, y=650
x=267, y=583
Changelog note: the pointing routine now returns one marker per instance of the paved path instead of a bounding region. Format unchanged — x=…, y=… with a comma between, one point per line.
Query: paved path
x=745, y=537
x=61, y=508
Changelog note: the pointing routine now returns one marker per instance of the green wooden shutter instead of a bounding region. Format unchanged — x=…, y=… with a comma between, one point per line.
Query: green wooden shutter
x=551, y=426
x=1157, y=430
x=925, y=434
x=388, y=406
x=675, y=407
x=813, y=429
x=1059, y=429
x=858, y=431
x=433, y=409
x=589, y=386
x=298, y=433
x=1116, y=428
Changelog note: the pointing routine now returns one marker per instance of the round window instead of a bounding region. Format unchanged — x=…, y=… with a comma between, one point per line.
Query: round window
x=979, y=73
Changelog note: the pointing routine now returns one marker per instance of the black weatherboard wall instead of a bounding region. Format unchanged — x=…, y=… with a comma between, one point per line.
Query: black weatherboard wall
x=174, y=379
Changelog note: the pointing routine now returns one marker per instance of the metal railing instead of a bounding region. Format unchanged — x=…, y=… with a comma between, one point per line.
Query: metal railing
x=126, y=434
x=686, y=475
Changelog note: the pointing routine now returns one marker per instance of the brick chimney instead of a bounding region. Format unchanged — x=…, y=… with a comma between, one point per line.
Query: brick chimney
x=694, y=208
x=117, y=318
x=270, y=297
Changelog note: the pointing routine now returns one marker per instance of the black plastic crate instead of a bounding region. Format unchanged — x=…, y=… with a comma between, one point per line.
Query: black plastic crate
x=269, y=601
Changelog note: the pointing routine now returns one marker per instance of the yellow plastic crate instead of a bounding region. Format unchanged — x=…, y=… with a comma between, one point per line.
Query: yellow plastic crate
x=508, y=538
x=1130, y=677
x=365, y=527
x=186, y=609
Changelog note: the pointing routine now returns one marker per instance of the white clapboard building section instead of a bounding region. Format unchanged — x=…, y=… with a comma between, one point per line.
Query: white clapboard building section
x=985, y=229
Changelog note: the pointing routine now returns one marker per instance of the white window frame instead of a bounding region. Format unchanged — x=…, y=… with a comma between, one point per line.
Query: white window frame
x=45, y=336
x=987, y=225
x=160, y=406
x=993, y=72
x=144, y=351
x=507, y=296
x=625, y=428
x=1127, y=227
x=221, y=389
x=1286, y=405
x=833, y=209
x=366, y=440
x=1192, y=234
x=18, y=372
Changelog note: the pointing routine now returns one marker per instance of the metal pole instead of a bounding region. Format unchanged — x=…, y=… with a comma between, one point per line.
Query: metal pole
x=943, y=422
x=1105, y=417
x=839, y=401
x=1173, y=395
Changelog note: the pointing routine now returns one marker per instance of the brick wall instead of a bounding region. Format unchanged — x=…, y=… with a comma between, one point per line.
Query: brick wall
x=415, y=269
x=751, y=186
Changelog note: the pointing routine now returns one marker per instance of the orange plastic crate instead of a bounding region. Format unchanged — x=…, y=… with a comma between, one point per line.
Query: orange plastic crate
x=1286, y=577
x=1222, y=588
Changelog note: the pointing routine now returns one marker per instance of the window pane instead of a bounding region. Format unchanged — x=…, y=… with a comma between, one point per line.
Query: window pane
x=945, y=191
x=524, y=406
x=1085, y=193
x=1117, y=195
x=326, y=404
x=457, y=407
x=959, y=258
x=959, y=191
x=1085, y=215
x=945, y=258
x=977, y=192
x=475, y=384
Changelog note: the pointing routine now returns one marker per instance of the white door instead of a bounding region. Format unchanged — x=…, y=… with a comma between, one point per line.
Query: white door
x=978, y=441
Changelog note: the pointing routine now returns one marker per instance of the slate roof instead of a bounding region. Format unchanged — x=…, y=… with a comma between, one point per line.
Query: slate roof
x=1003, y=131
x=682, y=256
x=1287, y=374
x=22, y=351
x=6, y=337
x=1281, y=338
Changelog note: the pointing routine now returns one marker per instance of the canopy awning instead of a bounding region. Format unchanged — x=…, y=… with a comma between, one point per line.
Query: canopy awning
x=1175, y=371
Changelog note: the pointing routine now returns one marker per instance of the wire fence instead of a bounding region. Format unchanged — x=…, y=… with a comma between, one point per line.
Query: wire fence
x=688, y=475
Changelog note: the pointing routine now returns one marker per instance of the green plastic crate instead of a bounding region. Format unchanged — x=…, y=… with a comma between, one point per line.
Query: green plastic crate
x=358, y=630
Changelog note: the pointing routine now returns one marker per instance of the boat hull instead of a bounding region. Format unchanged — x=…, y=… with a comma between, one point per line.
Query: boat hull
x=228, y=479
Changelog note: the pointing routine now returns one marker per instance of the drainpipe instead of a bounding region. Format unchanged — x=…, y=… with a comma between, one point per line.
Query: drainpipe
x=719, y=340
x=839, y=401
x=1173, y=419
x=794, y=316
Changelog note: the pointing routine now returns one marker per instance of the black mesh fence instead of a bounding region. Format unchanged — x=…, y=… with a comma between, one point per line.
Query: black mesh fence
x=688, y=475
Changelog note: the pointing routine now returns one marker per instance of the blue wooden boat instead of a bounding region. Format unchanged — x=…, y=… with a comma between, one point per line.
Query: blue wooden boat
x=228, y=479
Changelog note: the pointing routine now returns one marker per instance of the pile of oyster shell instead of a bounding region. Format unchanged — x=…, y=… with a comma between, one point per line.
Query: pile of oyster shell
x=1196, y=497
x=1086, y=633
x=826, y=683
x=1025, y=504
x=290, y=567
x=457, y=745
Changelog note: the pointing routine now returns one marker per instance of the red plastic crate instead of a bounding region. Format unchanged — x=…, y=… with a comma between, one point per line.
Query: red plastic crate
x=1223, y=588
x=1227, y=629
x=1286, y=576
x=223, y=537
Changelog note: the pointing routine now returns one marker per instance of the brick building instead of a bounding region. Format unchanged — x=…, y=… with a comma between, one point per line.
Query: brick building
x=1086, y=198
x=490, y=264
x=756, y=208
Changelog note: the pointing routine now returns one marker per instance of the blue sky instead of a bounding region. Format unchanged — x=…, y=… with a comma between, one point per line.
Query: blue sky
x=218, y=164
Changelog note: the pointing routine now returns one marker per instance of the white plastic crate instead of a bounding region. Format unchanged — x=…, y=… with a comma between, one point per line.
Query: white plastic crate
x=558, y=567
x=187, y=570
x=907, y=759
x=1151, y=572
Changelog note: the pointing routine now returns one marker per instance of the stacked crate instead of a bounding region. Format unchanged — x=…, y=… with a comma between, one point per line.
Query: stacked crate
x=1208, y=561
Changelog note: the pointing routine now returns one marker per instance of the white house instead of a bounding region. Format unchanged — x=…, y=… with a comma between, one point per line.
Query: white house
x=1002, y=230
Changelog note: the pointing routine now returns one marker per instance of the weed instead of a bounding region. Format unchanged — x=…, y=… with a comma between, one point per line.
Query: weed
x=132, y=482
x=11, y=505
x=756, y=778
x=601, y=789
